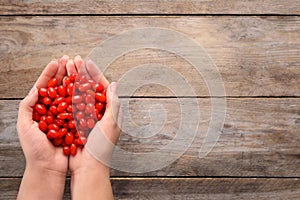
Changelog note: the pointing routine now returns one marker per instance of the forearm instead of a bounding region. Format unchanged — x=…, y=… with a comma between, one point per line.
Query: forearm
x=41, y=184
x=91, y=183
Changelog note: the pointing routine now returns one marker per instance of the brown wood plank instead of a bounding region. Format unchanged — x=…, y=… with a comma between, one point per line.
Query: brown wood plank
x=9, y=188
x=150, y=7
x=186, y=188
x=256, y=56
x=199, y=188
x=260, y=138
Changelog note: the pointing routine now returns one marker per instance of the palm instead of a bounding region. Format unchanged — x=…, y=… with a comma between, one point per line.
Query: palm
x=83, y=158
x=37, y=147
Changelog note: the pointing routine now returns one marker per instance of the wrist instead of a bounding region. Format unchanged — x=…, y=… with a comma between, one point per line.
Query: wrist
x=55, y=165
x=95, y=169
x=88, y=164
x=38, y=183
x=96, y=184
x=45, y=172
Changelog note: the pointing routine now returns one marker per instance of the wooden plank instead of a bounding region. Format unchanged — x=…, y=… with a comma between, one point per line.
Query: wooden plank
x=260, y=137
x=9, y=188
x=256, y=56
x=186, y=188
x=202, y=188
x=150, y=7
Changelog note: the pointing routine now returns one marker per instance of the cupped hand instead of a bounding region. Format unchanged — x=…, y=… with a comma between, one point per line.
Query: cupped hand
x=87, y=159
x=39, y=152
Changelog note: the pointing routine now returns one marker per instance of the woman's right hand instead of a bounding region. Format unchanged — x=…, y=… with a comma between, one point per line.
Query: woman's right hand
x=90, y=166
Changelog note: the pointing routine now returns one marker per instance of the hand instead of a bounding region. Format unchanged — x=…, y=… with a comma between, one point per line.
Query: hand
x=84, y=166
x=44, y=162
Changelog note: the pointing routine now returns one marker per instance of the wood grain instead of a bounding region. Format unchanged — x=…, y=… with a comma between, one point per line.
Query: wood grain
x=198, y=188
x=9, y=188
x=256, y=56
x=260, y=137
x=150, y=7
x=255, y=46
x=186, y=188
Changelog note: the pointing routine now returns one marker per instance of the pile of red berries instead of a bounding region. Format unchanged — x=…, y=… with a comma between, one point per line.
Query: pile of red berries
x=67, y=112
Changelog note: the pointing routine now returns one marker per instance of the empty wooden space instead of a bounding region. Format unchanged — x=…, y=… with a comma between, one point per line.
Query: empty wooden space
x=256, y=56
x=256, y=48
x=164, y=7
x=187, y=188
x=261, y=140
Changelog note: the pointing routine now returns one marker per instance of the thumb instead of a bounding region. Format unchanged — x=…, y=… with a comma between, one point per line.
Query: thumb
x=105, y=134
x=109, y=123
x=25, y=110
x=113, y=105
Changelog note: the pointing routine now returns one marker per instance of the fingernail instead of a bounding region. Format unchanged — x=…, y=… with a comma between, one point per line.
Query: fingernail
x=33, y=89
x=65, y=57
x=77, y=57
x=88, y=60
x=113, y=87
x=70, y=61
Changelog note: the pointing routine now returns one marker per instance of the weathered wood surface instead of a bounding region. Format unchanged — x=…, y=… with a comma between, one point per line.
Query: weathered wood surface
x=186, y=188
x=150, y=7
x=256, y=56
x=260, y=138
x=9, y=188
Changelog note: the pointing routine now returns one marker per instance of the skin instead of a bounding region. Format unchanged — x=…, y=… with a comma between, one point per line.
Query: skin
x=46, y=166
x=83, y=166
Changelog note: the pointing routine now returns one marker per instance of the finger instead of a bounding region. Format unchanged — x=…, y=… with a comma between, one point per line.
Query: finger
x=109, y=123
x=95, y=73
x=71, y=67
x=61, y=72
x=48, y=73
x=26, y=108
x=81, y=68
x=106, y=133
x=78, y=63
x=120, y=118
x=113, y=105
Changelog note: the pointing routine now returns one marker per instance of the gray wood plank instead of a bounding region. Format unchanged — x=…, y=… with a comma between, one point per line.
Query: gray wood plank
x=256, y=56
x=260, y=137
x=150, y=7
x=186, y=188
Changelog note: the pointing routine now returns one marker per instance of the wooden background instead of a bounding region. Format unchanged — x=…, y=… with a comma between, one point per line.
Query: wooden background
x=256, y=47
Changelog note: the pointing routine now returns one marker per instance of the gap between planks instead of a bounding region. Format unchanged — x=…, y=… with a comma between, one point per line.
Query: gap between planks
x=150, y=15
